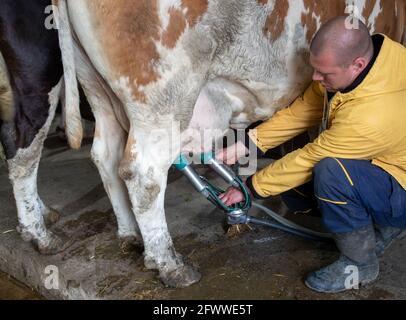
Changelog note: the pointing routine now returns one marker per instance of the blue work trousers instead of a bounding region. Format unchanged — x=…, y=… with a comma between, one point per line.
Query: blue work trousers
x=349, y=195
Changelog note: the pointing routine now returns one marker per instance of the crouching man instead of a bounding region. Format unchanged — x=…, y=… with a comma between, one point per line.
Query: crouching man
x=354, y=173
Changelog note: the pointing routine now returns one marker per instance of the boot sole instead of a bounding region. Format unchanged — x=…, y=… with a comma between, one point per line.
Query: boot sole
x=324, y=291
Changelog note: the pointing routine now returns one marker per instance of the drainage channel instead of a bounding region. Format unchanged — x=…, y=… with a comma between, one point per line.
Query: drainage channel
x=11, y=289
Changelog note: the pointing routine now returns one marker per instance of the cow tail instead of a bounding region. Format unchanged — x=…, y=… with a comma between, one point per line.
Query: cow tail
x=73, y=119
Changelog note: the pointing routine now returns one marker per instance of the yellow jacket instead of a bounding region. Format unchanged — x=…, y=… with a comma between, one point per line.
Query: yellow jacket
x=368, y=123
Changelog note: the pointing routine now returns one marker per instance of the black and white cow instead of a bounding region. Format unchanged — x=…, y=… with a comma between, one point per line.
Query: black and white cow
x=30, y=90
x=30, y=87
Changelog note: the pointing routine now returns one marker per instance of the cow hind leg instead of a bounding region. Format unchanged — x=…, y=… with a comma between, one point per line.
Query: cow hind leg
x=145, y=170
x=33, y=214
x=107, y=151
x=108, y=148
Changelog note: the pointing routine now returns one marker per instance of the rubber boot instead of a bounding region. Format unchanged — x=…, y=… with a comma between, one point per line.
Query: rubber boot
x=385, y=236
x=357, y=265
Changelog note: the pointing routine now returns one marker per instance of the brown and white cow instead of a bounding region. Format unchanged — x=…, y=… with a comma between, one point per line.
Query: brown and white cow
x=154, y=69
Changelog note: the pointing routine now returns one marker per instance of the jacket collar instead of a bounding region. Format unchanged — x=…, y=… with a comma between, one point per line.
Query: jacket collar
x=377, y=40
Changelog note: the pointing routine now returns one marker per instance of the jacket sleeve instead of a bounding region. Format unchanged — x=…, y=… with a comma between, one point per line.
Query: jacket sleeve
x=348, y=138
x=305, y=112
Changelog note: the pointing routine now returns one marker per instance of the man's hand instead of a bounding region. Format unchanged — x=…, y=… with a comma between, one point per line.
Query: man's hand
x=232, y=196
x=232, y=154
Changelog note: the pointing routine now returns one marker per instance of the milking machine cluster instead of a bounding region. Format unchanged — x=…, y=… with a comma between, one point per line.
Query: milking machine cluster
x=238, y=214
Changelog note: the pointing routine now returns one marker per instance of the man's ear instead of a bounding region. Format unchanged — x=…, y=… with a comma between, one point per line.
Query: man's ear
x=360, y=63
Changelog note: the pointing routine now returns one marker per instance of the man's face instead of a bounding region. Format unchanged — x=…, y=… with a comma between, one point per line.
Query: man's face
x=331, y=75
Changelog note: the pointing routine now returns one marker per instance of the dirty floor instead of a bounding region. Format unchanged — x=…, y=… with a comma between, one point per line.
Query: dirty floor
x=259, y=263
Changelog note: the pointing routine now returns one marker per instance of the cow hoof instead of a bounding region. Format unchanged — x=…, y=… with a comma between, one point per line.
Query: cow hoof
x=55, y=244
x=181, y=277
x=51, y=217
x=129, y=243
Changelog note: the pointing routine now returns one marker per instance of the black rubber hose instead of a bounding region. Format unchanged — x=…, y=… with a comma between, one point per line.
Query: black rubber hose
x=279, y=226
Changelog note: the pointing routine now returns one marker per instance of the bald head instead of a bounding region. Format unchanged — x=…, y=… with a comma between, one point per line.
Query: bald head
x=346, y=44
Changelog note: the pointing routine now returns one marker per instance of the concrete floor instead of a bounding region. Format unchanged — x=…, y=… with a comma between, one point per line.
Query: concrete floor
x=261, y=263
